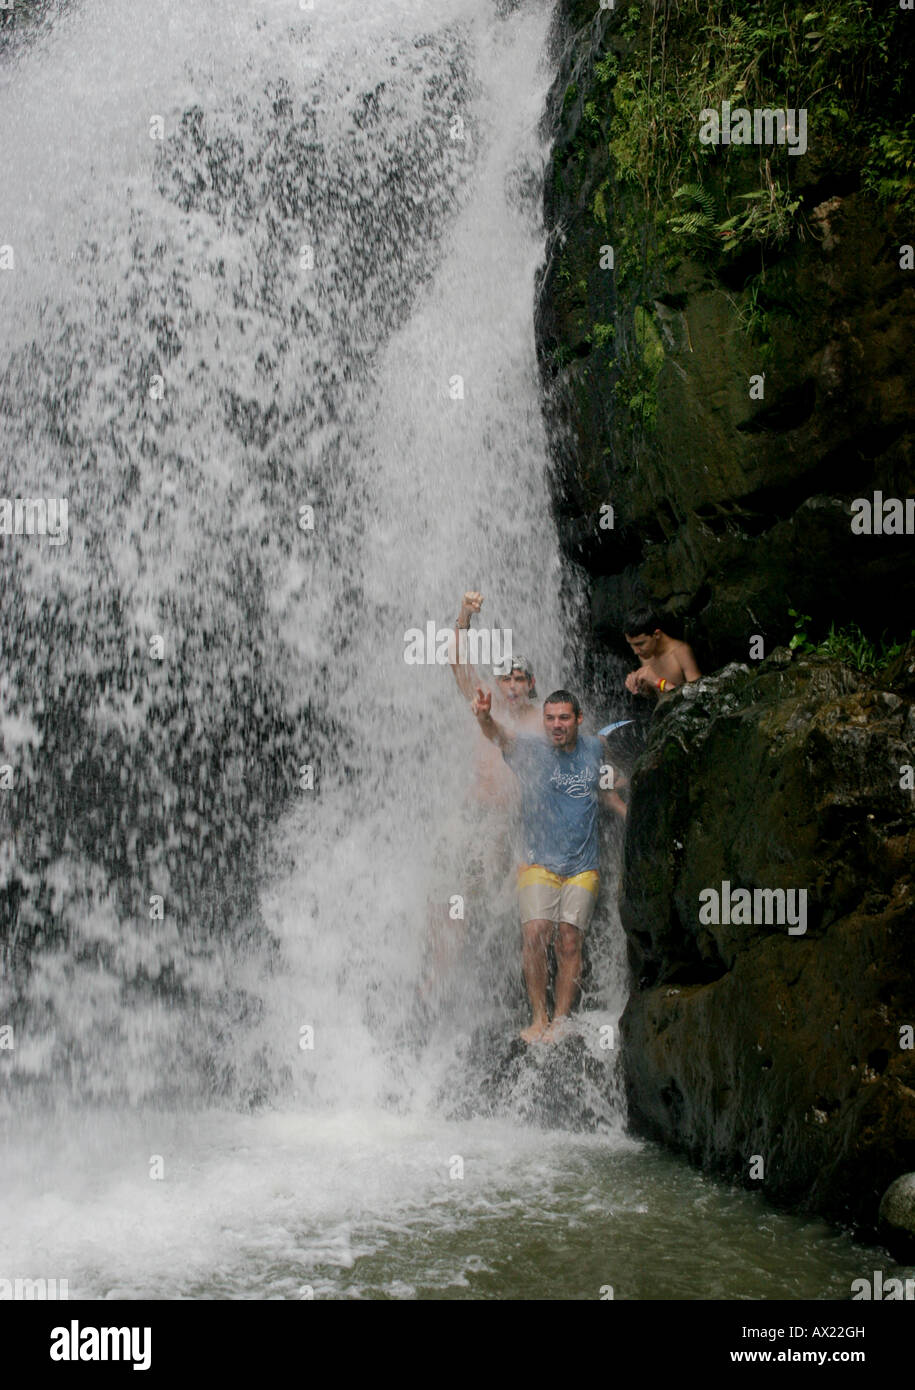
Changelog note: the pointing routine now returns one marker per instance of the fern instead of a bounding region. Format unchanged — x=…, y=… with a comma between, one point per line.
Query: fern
x=699, y=220
x=699, y=195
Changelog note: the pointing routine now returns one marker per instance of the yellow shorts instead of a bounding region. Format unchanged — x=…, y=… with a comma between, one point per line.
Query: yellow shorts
x=544, y=896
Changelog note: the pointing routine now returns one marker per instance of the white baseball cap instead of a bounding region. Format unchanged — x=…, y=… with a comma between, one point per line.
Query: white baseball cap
x=515, y=663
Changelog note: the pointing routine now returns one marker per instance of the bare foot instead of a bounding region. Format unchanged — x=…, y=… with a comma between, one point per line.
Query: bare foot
x=558, y=1029
x=536, y=1030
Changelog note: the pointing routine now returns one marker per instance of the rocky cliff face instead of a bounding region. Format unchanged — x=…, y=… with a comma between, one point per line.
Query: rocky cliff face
x=791, y=1040
x=730, y=401
x=729, y=507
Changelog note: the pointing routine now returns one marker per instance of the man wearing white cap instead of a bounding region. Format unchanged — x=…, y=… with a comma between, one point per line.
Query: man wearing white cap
x=474, y=853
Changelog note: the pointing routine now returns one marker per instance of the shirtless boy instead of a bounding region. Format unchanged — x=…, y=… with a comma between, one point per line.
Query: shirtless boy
x=665, y=661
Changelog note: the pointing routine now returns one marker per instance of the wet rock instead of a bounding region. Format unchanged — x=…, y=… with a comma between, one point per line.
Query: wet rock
x=900, y=675
x=897, y=1217
x=728, y=510
x=741, y=1039
x=568, y=1086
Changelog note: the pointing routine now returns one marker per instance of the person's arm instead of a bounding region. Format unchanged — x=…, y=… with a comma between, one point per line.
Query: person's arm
x=642, y=681
x=466, y=675
x=620, y=780
x=609, y=796
x=482, y=709
x=613, y=801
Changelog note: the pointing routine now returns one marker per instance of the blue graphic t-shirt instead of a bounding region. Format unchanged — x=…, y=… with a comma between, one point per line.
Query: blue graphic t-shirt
x=558, y=802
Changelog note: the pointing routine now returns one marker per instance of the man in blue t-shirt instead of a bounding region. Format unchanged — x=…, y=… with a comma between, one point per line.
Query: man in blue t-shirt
x=559, y=772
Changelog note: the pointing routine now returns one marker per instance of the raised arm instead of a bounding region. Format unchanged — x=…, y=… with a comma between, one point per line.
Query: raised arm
x=482, y=709
x=466, y=675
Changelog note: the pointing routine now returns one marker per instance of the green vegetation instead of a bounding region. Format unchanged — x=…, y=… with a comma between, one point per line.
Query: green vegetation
x=839, y=61
x=602, y=334
x=633, y=156
x=766, y=217
x=848, y=644
x=599, y=205
x=756, y=313
x=636, y=386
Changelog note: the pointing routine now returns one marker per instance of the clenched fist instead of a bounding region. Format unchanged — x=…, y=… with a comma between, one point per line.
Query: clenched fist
x=472, y=602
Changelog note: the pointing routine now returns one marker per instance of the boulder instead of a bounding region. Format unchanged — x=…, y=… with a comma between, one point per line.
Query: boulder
x=897, y=1217
x=744, y=1040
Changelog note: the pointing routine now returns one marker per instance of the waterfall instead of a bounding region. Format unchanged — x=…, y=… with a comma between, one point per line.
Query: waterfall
x=269, y=332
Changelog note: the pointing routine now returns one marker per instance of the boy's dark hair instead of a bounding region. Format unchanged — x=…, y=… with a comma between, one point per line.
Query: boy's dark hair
x=563, y=697
x=641, y=620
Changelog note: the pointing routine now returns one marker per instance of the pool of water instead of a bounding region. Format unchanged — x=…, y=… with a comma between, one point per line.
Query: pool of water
x=375, y=1205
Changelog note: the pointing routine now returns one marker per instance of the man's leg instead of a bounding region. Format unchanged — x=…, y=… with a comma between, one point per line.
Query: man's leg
x=534, y=959
x=444, y=946
x=538, y=900
x=568, y=977
x=576, y=907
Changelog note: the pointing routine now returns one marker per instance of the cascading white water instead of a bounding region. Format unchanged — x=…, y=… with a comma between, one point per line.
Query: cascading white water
x=341, y=221
x=278, y=262
x=451, y=494
x=254, y=250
